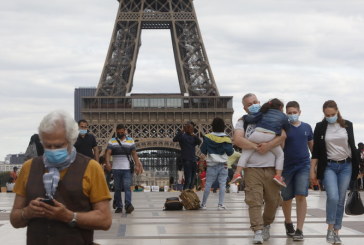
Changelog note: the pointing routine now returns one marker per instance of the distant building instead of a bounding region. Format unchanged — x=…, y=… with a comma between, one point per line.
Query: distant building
x=9, y=167
x=79, y=93
x=15, y=158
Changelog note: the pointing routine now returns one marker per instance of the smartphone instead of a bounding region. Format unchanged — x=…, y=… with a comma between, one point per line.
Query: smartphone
x=48, y=201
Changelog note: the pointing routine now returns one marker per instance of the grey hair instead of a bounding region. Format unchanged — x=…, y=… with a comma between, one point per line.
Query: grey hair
x=56, y=119
x=247, y=96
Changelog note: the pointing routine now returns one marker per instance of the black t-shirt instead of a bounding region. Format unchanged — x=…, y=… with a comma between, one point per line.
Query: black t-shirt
x=84, y=145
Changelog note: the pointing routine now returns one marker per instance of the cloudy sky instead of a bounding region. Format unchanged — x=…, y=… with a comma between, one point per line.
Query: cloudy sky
x=304, y=50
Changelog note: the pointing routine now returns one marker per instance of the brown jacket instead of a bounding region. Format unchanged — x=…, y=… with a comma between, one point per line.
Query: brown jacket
x=69, y=192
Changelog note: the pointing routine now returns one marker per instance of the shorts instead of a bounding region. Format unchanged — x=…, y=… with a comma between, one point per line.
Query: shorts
x=297, y=181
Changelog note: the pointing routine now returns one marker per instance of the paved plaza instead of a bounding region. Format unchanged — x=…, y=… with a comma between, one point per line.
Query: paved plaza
x=149, y=225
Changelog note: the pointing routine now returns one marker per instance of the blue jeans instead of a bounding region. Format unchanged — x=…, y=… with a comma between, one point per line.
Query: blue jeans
x=219, y=172
x=297, y=182
x=336, y=181
x=122, y=178
x=189, y=169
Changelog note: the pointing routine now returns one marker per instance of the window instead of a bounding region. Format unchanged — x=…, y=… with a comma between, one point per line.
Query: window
x=176, y=103
x=140, y=103
x=159, y=103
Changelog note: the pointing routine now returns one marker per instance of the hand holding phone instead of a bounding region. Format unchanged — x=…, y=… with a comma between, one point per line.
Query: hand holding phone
x=48, y=201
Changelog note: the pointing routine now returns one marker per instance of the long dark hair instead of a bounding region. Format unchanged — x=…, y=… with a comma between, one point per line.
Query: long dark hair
x=332, y=104
x=272, y=104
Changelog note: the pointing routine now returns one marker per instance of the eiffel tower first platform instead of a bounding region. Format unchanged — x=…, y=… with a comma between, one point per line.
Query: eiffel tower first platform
x=153, y=119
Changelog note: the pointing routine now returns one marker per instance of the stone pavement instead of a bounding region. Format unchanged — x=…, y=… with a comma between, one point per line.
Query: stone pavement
x=149, y=225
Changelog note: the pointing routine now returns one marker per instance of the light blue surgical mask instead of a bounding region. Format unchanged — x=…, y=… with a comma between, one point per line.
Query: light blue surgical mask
x=56, y=156
x=293, y=118
x=332, y=119
x=82, y=131
x=254, y=108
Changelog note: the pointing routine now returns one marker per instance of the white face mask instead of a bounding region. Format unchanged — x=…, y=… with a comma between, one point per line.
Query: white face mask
x=254, y=108
x=332, y=119
x=293, y=118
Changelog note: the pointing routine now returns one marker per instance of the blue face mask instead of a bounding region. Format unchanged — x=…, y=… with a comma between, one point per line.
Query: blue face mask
x=82, y=131
x=332, y=119
x=254, y=108
x=293, y=118
x=57, y=155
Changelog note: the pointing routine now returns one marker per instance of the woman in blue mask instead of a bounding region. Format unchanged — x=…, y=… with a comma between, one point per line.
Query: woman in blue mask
x=334, y=161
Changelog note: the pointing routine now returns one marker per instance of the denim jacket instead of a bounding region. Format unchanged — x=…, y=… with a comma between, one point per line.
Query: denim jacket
x=273, y=120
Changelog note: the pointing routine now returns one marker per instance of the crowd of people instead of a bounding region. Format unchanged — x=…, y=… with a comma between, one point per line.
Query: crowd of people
x=281, y=158
x=62, y=194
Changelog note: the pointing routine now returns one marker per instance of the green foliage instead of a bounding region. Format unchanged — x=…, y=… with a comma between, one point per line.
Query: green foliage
x=4, y=177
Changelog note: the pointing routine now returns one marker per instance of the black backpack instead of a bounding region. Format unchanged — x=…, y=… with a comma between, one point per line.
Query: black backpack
x=173, y=203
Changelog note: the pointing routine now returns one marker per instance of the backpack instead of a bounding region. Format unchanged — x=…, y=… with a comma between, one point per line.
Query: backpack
x=190, y=199
x=173, y=203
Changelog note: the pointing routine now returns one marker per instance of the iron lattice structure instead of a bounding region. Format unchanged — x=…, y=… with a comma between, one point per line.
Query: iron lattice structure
x=153, y=119
x=179, y=17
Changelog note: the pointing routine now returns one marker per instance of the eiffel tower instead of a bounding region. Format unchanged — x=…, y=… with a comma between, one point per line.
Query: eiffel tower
x=153, y=119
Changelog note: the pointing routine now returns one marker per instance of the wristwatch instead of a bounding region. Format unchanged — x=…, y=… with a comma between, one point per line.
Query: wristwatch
x=73, y=222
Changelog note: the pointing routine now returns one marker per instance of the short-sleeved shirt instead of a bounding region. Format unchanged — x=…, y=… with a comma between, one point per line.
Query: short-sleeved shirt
x=85, y=145
x=296, y=152
x=121, y=153
x=93, y=183
x=257, y=160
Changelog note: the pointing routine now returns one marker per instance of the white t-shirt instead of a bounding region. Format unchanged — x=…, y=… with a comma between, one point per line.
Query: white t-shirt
x=120, y=162
x=257, y=160
x=336, y=140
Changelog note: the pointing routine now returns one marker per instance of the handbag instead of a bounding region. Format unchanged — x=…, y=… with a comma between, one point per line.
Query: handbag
x=354, y=205
x=173, y=203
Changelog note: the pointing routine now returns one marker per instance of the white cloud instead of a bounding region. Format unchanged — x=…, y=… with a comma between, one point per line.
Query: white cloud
x=308, y=51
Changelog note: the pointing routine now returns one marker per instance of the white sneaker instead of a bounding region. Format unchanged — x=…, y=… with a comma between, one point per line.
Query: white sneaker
x=221, y=207
x=337, y=239
x=330, y=237
x=266, y=234
x=258, y=237
x=202, y=206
